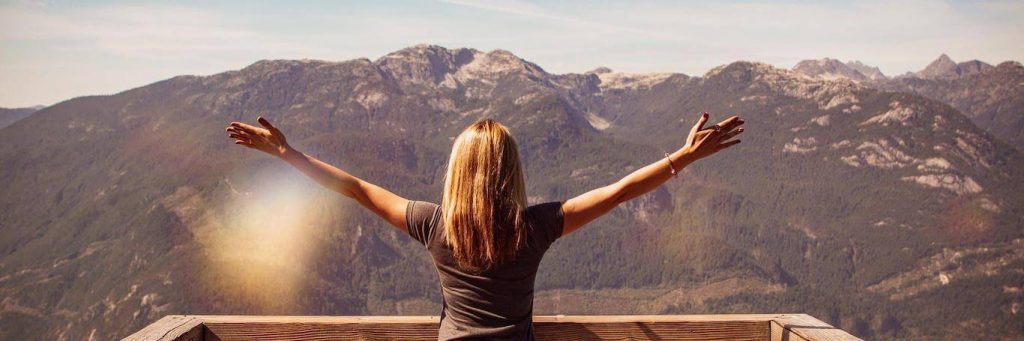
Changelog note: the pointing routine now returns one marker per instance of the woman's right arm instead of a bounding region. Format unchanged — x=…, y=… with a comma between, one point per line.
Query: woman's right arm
x=270, y=140
x=700, y=143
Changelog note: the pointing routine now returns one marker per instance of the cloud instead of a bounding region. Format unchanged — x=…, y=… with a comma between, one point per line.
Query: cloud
x=138, y=31
x=531, y=10
x=508, y=6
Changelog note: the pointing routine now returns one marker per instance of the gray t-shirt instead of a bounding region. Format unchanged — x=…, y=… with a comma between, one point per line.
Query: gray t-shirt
x=496, y=304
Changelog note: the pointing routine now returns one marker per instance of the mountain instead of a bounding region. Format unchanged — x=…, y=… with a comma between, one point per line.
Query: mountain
x=872, y=72
x=993, y=97
x=9, y=116
x=828, y=68
x=990, y=96
x=886, y=213
x=944, y=67
x=972, y=67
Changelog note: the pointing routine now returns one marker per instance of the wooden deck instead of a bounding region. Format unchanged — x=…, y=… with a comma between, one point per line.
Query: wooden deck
x=763, y=327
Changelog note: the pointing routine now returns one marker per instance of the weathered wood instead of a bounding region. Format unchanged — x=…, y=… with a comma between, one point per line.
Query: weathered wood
x=811, y=328
x=675, y=330
x=319, y=331
x=776, y=327
x=780, y=333
x=680, y=330
x=171, y=327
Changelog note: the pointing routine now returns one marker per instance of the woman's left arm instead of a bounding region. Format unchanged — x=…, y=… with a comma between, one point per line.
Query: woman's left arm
x=270, y=140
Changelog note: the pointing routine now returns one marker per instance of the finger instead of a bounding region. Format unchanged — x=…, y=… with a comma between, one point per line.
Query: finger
x=731, y=134
x=701, y=121
x=735, y=123
x=697, y=128
x=266, y=124
x=247, y=144
x=241, y=136
x=241, y=133
x=726, y=123
x=243, y=140
x=245, y=127
x=728, y=144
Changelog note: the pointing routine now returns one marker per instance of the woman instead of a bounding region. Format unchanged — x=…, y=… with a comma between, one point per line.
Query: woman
x=485, y=242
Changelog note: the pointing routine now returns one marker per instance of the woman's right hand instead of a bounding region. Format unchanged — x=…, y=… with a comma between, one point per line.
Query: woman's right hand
x=703, y=142
x=268, y=139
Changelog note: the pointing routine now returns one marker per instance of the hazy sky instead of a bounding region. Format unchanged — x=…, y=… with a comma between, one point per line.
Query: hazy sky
x=55, y=50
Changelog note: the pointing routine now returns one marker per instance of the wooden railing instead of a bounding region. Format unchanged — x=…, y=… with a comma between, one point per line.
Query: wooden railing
x=761, y=327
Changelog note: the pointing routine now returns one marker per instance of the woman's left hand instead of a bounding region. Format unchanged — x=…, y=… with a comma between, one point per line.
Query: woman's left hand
x=268, y=139
x=703, y=142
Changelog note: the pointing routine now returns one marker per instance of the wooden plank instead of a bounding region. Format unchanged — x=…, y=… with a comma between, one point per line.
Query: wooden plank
x=678, y=327
x=777, y=327
x=316, y=319
x=227, y=331
x=536, y=319
x=656, y=318
x=780, y=333
x=678, y=330
x=811, y=328
x=171, y=328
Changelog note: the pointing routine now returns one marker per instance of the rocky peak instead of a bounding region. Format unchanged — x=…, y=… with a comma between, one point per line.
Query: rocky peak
x=436, y=65
x=972, y=67
x=502, y=62
x=872, y=72
x=940, y=68
x=944, y=67
x=424, y=64
x=634, y=81
x=744, y=70
x=828, y=68
x=600, y=70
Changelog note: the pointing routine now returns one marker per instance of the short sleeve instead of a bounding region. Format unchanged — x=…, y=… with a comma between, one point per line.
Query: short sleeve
x=421, y=217
x=547, y=220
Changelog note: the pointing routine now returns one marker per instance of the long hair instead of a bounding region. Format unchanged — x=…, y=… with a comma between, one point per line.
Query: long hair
x=484, y=202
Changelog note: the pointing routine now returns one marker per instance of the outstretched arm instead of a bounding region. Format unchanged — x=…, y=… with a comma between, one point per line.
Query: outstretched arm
x=270, y=140
x=700, y=143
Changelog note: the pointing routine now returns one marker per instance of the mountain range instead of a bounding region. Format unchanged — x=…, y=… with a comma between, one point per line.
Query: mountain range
x=992, y=96
x=879, y=205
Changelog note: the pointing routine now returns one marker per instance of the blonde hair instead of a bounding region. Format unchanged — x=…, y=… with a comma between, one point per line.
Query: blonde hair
x=484, y=202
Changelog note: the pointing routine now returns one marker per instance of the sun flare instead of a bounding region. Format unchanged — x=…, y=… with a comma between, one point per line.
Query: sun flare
x=261, y=244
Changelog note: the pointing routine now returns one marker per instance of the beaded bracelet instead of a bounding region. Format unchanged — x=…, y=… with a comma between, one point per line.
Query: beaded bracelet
x=671, y=166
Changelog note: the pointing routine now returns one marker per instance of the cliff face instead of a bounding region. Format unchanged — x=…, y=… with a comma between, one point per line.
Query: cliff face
x=120, y=209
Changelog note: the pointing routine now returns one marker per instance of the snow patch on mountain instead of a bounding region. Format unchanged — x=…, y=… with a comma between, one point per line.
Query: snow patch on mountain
x=897, y=113
x=631, y=81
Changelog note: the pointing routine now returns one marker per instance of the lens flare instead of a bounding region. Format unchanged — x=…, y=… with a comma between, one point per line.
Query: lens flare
x=260, y=244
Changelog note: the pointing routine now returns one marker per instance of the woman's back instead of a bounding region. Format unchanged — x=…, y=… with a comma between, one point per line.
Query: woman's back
x=496, y=303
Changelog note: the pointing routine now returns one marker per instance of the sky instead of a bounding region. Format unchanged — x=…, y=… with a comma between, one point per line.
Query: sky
x=52, y=51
